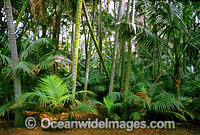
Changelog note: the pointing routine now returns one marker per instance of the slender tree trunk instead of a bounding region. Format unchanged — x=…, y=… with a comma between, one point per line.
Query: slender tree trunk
x=100, y=30
x=72, y=47
x=115, y=10
x=115, y=50
x=129, y=55
x=154, y=63
x=108, y=3
x=177, y=77
x=85, y=40
x=123, y=52
x=25, y=3
x=177, y=67
x=89, y=52
x=19, y=119
x=76, y=45
x=95, y=41
x=56, y=32
x=72, y=41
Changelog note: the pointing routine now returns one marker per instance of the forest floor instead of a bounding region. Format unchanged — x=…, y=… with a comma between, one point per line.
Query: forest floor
x=39, y=131
x=7, y=129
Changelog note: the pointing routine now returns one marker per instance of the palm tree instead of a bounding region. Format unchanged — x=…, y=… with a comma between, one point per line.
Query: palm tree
x=75, y=48
x=90, y=50
x=17, y=82
x=25, y=3
x=122, y=54
x=52, y=93
x=100, y=28
x=168, y=24
x=129, y=54
x=115, y=50
x=95, y=41
x=111, y=103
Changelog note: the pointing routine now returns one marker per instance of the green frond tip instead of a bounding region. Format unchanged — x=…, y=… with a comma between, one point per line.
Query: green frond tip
x=136, y=116
x=84, y=108
x=4, y=108
x=176, y=115
x=167, y=104
x=115, y=96
x=34, y=45
x=5, y=59
x=53, y=59
x=26, y=67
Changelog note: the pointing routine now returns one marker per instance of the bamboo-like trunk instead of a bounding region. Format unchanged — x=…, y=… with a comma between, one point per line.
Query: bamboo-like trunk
x=100, y=30
x=95, y=41
x=19, y=120
x=129, y=55
x=76, y=45
x=123, y=52
x=177, y=67
x=72, y=47
x=115, y=50
x=56, y=32
x=89, y=53
x=25, y=3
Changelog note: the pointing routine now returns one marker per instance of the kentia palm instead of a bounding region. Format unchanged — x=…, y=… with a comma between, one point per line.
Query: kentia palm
x=111, y=102
x=76, y=48
x=14, y=55
x=53, y=94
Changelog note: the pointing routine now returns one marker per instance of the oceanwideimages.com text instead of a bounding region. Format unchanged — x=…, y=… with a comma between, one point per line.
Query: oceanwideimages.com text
x=106, y=124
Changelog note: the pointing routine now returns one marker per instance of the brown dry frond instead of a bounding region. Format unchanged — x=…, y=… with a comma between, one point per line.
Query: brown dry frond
x=38, y=9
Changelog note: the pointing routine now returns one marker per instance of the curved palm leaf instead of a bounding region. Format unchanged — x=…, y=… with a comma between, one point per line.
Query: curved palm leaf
x=34, y=45
x=5, y=59
x=166, y=103
x=53, y=59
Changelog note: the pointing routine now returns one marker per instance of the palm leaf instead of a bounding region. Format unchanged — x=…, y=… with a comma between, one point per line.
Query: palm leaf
x=164, y=104
x=26, y=67
x=82, y=110
x=53, y=59
x=177, y=115
x=34, y=45
x=4, y=108
x=115, y=96
x=5, y=59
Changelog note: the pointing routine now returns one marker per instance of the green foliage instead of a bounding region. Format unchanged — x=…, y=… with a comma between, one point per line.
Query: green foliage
x=4, y=108
x=51, y=94
x=5, y=60
x=33, y=46
x=110, y=103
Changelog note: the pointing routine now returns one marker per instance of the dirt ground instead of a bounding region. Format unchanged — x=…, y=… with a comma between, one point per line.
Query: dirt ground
x=40, y=131
x=6, y=128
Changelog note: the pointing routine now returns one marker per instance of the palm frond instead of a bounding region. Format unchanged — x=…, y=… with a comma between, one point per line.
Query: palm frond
x=117, y=105
x=115, y=96
x=82, y=110
x=87, y=92
x=34, y=45
x=164, y=104
x=176, y=115
x=94, y=101
x=135, y=116
x=4, y=108
x=136, y=100
x=53, y=59
x=5, y=59
x=53, y=86
x=26, y=67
